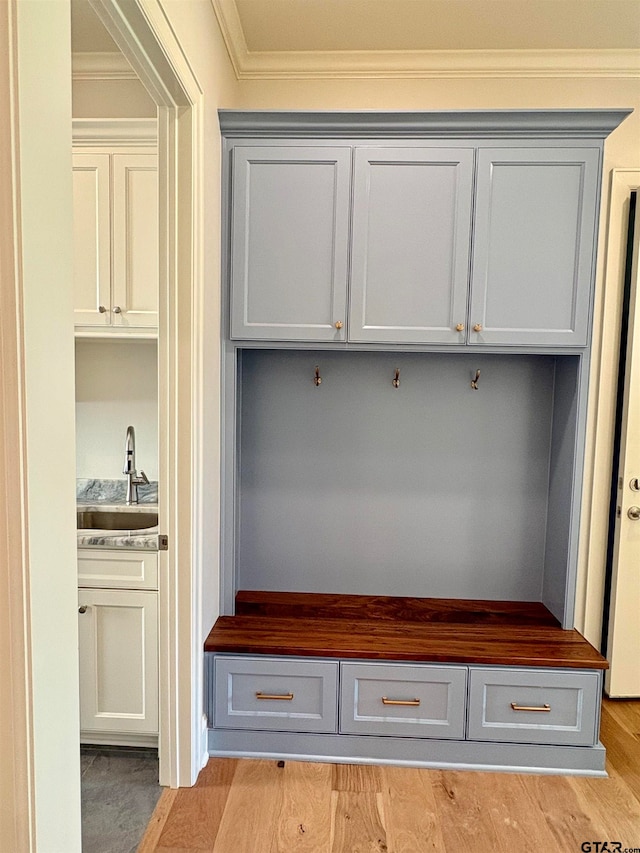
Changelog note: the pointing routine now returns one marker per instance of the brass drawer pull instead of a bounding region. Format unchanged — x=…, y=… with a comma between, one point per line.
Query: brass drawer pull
x=516, y=707
x=386, y=701
x=286, y=696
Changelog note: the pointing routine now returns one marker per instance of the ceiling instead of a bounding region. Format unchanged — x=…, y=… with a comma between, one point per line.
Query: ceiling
x=348, y=25
x=413, y=38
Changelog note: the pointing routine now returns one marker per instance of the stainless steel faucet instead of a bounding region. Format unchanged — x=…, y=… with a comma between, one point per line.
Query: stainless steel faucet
x=133, y=479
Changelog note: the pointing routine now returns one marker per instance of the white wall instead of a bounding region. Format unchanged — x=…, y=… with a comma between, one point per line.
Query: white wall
x=44, y=108
x=116, y=385
x=111, y=99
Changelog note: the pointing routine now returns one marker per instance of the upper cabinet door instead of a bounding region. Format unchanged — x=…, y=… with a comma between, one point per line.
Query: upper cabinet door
x=411, y=237
x=290, y=242
x=135, y=240
x=534, y=246
x=91, y=239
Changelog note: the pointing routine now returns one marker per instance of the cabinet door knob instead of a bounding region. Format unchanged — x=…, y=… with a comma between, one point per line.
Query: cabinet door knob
x=117, y=309
x=634, y=513
x=82, y=608
x=634, y=484
x=338, y=324
x=477, y=327
x=102, y=309
x=460, y=327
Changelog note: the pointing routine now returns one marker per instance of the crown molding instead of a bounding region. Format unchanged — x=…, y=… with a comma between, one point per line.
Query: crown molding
x=583, y=124
x=398, y=64
x=439, y=64
x=101, y=66
x=90, y=132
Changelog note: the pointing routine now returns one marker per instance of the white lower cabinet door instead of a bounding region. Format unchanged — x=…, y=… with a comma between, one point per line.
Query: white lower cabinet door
x=406, y=700
x=118, y=638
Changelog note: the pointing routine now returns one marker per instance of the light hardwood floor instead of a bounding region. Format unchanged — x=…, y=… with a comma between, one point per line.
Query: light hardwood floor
x=246, y=806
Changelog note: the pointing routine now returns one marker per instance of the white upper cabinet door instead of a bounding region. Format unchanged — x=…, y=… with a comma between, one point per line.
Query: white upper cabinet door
x=91, y=240
x=534, y=246
x=290, y=230
x=135, y=240
x=411, y=237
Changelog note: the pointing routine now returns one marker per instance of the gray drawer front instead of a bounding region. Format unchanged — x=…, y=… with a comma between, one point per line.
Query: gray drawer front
x=572, y=698
x=437, y=695
x=310, y=688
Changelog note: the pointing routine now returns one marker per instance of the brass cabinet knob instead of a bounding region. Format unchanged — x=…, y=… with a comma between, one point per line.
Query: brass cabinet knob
x=102, y=309
x=477, y=327
x=460, y=327
x=634, y=513
x=117, y=309
x=82, y=608
x=338, y=324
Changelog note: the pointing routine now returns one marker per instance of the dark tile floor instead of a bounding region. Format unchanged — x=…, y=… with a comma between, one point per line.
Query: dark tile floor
x=119, y=793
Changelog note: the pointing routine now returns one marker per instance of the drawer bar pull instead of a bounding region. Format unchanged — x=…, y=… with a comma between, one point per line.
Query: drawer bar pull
x=386, y=701
x=516, y=707
x=286, y=696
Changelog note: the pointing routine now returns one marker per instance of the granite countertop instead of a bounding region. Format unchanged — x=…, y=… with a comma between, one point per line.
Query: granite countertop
x=109, y=496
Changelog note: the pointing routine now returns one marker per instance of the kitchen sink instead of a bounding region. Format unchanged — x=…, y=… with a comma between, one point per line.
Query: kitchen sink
x=109, y=520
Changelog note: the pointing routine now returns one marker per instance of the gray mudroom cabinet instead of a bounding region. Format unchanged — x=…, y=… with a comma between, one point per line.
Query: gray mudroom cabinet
x=422, y=243
x=406, y=337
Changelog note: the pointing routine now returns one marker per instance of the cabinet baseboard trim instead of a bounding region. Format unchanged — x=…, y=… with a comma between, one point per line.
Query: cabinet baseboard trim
x=437, y=754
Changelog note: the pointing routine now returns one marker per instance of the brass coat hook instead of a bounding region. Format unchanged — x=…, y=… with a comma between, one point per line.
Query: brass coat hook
x=317, y=379
x=474, y=381
x=396, y=379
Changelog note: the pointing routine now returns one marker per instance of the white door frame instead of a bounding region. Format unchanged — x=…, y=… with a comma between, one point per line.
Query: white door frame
x=17, y=787
x=602, y=408
x=143, y=34
x=622, y=679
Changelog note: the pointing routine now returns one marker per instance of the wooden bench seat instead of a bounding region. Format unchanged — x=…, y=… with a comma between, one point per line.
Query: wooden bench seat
x=401, y=629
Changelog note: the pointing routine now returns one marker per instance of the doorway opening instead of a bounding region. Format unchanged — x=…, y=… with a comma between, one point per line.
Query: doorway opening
x=155, y=57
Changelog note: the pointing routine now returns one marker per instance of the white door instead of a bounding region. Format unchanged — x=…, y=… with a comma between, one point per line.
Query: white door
x=623, y=648
x=135, y=240
x=118, y=639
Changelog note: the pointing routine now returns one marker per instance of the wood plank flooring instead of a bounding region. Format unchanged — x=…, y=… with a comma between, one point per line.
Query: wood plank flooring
x=247, y=806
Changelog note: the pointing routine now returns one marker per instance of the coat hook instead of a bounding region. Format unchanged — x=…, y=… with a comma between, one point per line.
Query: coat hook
x=396, y=380
x=474, y=382
x=317, y=379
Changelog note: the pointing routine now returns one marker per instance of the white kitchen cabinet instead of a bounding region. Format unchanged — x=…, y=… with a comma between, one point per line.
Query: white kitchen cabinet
x=118, y=639
x=117, y=569
x=115, y=197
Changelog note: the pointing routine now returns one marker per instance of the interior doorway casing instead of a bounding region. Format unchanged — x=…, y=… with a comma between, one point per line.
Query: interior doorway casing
x=142, y=33
x=602, y=385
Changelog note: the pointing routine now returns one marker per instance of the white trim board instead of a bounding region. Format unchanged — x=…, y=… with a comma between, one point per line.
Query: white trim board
x=88, y=132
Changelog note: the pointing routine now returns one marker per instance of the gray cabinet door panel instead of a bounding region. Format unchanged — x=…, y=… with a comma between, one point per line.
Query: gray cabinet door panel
x=534, y=706
x=403, y=699
x=410, y=249
x=275, y=694
x=533, y=246
x=290, y=231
